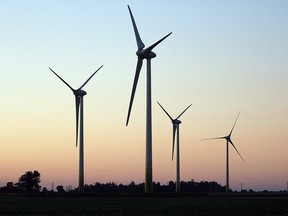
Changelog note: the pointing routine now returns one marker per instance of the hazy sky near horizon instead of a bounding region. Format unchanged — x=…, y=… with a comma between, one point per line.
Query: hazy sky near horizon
x=223, y=57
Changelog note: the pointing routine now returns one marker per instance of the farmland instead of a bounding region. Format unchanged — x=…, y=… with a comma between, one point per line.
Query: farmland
x=142, y=204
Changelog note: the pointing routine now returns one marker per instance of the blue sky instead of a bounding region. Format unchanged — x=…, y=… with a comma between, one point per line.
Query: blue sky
x=223, y=56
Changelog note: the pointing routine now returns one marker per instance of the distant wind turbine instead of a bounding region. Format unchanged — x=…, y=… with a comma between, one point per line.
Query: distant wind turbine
x=176, y=122
x=148, y=55
x=228, y=140
x=79, y=94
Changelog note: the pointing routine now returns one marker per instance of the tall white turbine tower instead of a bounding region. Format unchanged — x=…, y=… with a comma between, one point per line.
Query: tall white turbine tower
x=148, y=55
x=79, y=94
x=228, y=140
x=176, y=122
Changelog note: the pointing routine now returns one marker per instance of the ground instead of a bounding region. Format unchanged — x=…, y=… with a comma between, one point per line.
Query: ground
x=142, y=204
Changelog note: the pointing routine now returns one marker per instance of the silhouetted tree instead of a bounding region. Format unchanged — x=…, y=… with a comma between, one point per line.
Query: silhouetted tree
x=9, y=188
x=171, y=186
x=29, y=182
x=157, y=187
x=60, y=189
x=45, y=190
x=134, y=188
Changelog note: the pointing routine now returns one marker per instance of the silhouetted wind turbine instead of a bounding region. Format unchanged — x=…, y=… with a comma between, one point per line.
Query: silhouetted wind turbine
x=228, y=140
x=176, y=122
x=148, y=55
x=79, y=94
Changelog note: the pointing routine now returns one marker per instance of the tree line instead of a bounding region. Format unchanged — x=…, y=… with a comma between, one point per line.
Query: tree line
x=29, y=182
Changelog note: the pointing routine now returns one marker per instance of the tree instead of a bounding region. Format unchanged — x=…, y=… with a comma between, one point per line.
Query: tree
x=45, y=190
x=29, y=182
x=60, y=189
x=9, y=188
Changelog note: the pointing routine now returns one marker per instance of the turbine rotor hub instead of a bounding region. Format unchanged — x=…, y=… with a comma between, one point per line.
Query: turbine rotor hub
x=80, y=92
x=145, y=54
x=176, y=121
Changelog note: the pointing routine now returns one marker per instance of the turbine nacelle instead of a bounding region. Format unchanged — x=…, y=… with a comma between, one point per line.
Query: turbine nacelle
x=176, y=122
x=145, y=54
x=79, y=93
x=228, y=138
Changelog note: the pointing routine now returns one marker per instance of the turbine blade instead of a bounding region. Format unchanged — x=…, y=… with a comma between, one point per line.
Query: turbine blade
x=77, y=103
x=183, y=111
x=62, y=80
x=138, y=69
x=90, y=77
x=237, y=150
x=149, y=49
x=140, y=44
x=174, y=132
x=214, y=138
x=165, y=111
x=234, y=124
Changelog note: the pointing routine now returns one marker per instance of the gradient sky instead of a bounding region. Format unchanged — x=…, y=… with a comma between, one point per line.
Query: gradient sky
x=223, y=57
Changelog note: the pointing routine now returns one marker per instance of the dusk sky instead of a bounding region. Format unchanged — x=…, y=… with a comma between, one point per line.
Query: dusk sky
x=223, y=57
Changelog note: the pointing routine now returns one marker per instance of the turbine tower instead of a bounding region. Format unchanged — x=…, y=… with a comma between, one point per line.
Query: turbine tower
x=228, y=140
x=148, y=55
x=79, y=94
x=176, y=122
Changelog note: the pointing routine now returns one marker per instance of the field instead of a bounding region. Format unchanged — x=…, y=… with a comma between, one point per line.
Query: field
x=137, y=204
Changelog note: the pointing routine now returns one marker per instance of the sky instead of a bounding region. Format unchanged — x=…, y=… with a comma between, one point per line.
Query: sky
x=223, y=57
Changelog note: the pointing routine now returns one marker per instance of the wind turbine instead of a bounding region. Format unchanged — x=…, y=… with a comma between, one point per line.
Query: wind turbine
x=79, y=94
x=148, y=55
x=228, y=140
x=176, y=122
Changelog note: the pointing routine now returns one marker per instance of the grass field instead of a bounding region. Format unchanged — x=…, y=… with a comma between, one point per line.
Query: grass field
x=131, y=204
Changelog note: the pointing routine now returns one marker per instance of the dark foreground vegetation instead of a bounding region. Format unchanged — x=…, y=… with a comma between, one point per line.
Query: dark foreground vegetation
x=143, y=204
